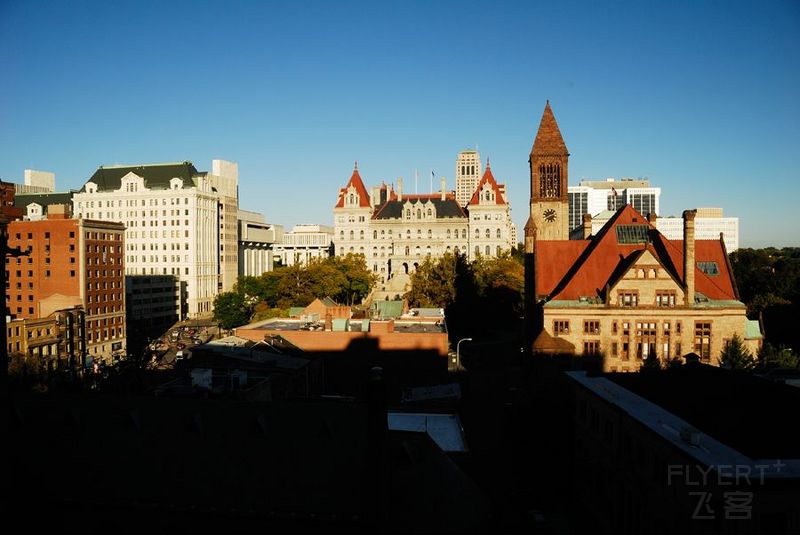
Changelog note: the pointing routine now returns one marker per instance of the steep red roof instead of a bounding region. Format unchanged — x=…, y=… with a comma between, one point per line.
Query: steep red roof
x=568, y=270
x=548, y=138
x=488, y=178
x=355, y=181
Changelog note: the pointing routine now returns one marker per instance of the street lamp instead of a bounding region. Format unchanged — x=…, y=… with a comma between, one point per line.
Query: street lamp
x=458, y=351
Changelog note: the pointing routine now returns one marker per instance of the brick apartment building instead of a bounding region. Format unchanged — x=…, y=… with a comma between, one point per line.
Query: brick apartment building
x=72, y=262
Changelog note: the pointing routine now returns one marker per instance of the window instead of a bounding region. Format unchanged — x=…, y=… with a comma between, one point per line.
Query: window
x=709, y=268
x=702, y=339
x=628, y=298
x=560, y=327
x=632, y=234
x=591, y=327
x=645, y=340
x=614, y=327
x=488, y=233
x=665, y=298
x=614, y=349
x=498, y=234
x=591, y=347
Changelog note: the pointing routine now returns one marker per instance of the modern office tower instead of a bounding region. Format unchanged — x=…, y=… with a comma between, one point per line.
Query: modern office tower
x=257, y=240
x=304, y=243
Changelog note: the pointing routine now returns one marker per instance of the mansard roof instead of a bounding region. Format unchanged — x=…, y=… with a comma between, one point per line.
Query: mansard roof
x=156, y=176
x=548, y=139
x=488, y=178
x=447, y=208
x=358, y=184
x=22, y=200
x=567, y=270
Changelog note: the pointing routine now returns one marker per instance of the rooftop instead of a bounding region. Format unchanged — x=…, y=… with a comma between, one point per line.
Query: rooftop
x=737, y=409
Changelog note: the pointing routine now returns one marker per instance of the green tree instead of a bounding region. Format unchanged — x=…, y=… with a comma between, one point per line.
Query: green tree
x=299, y=285
x=359, y=280
x=433, y=283
x=777, y=357
x=736, y=356
x=231, y=310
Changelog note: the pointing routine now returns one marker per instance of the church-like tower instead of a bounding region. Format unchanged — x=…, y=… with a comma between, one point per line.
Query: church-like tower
x=548, y=161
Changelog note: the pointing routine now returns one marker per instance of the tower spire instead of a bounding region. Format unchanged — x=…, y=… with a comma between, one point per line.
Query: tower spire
x=548, y=138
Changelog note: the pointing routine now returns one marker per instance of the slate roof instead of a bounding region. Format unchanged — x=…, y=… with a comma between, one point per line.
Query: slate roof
x=355, y=180
x=548, y=138
x=156, y=176
x=448, y=208
x=22, y=200
x=488, y=178
x=569, y=269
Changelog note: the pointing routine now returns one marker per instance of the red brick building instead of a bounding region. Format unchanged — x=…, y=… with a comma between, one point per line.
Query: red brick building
x=71, y=262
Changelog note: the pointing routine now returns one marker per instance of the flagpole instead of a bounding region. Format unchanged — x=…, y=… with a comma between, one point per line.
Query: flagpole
x=431, y=188
x=416, y=181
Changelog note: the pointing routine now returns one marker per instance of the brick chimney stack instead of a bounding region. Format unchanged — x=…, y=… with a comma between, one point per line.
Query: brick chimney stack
x=652, y=218
x=400, y=188
x=587, y=226
x=688, y=255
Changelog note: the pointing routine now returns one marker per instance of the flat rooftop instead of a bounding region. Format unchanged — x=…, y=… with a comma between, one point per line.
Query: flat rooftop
x=400, y=326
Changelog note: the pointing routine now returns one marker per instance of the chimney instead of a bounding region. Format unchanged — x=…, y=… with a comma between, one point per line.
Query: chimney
x=399, y=188
x=587, y=226
x=688, y=255
x=653, y=219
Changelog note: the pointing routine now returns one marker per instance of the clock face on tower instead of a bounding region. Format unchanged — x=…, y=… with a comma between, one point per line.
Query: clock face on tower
x=549, y=215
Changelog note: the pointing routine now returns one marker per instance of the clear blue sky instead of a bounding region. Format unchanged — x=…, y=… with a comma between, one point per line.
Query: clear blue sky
x=701, y=97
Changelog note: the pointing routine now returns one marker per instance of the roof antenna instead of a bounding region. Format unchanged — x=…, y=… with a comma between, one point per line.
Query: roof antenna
x=488, y=165
x=356, y=165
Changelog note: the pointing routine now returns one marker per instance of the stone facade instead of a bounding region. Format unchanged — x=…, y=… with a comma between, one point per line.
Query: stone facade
x=179, y=221
x=395, y=232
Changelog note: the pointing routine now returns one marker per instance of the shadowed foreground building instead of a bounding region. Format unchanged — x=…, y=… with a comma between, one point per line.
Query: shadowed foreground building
x=152, y=464
x=695, y=449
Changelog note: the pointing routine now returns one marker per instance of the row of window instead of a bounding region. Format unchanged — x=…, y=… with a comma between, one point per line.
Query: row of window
x=630, y=298
x=18, y=235
x=561, y=327
x=130, y=203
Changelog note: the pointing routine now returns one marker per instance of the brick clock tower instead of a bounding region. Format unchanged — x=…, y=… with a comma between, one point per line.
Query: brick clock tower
x=549, y=159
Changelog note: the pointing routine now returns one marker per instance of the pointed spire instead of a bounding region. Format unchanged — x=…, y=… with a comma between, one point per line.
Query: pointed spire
x=488, y=165
x=548, y=138
x=356, y=166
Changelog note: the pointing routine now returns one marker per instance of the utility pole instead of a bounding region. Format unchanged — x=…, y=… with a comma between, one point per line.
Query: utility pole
x=4, y=252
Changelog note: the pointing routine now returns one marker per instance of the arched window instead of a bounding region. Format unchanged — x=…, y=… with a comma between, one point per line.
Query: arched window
x=361, y=234
x=498, y=233
x=498, y=250
x=374, y=251
x=352, y=234
x=488, y=253
x=430, y=213
x=341, y=234
x=448, y=234
x=488, y=233
x=408, y=234
x=408, y=213
x=374, y=234
x=488, y=196
x=419, y=213
x=477, y=233
x=477, y=250
x=464, y=234
x=428, y=250
x=383, y=251
x=418, y=251
x=430, y=233
x=408, y=250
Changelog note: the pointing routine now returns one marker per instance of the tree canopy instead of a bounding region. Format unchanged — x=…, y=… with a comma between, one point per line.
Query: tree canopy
x=345, y=279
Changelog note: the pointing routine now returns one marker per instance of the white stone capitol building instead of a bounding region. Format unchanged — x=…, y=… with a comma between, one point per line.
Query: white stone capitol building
x=395, y=231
